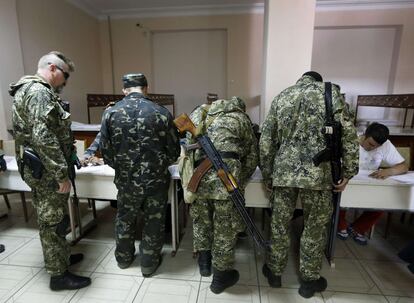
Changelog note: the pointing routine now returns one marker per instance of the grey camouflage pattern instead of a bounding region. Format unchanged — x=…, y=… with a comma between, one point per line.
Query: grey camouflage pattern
x=40, y=123
x=230, y=130
x=215, y=219
x=218, y=234
x=317, y=210
x=291, y=136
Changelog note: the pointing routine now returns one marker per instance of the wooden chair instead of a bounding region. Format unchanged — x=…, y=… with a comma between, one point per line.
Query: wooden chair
x=102, y=100
x=403, y=101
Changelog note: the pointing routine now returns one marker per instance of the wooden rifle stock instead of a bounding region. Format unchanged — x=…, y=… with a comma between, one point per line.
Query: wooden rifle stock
x=184, y=124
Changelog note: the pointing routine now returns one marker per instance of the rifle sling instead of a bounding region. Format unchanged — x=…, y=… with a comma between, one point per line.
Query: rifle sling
x=203, y=165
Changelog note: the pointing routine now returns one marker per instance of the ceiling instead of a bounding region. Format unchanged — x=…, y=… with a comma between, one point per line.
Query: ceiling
x=154, y=8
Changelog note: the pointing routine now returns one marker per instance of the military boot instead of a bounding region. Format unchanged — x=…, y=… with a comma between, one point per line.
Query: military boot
x=75, y=258
x=273, y=280
x=204, y=262
x=68, y=280
x=223, y=279
x=308, y=288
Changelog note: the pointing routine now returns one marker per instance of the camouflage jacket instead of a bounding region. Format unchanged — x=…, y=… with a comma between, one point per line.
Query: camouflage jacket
x=291, y=136
x=40, y=123
x=139, y=140
x=230, y=130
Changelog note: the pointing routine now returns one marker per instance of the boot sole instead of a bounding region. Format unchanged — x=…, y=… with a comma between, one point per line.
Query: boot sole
x=70, y=288
x=221, y=289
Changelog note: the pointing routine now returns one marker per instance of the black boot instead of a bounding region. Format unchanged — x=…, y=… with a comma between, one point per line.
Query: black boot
x=75, y=258
x=2, y=248
x=223, y=280
x=204, y=262
x=308, y=288
x=68, y=281
x=273, y=280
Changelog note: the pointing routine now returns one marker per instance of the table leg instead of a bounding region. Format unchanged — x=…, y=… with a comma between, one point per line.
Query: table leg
x=72, y=219
x=173, y=217
x=330, y=245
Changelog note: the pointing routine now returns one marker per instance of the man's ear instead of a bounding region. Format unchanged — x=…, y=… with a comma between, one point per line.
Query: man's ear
x=125, y=91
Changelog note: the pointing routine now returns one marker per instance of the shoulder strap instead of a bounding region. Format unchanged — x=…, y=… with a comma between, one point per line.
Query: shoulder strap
x=328, y=103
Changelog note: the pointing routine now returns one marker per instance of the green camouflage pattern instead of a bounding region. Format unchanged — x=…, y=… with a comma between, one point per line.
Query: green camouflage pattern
x=153, y=209
x=291, y=136
x=216, y=222
x=218, y=234
x=134, y=80
x=139, y=140
x=230, y=130
x=40, y=123
x=317, y=210
x=51, y=207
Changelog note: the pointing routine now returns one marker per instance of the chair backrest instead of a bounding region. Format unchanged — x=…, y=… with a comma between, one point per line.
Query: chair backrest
x=102, y=100
x=211, y=97
x=403, y=101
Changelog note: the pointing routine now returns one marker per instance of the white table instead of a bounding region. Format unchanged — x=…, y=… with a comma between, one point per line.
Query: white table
x=362, y=192
x=93, y=182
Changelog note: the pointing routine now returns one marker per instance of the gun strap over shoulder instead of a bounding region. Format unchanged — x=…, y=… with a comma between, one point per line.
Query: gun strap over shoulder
x=328, y=103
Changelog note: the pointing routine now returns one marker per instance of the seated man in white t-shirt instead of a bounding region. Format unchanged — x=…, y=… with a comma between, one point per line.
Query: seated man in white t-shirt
x=374, y=150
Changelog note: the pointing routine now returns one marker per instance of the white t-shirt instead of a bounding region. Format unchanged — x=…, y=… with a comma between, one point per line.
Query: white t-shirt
x=386, y=154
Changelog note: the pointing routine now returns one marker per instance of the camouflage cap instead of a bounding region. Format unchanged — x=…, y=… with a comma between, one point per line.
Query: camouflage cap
x=133, y=80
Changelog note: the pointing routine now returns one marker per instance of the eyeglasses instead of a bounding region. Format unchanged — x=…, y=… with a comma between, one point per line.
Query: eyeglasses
x=65, y=74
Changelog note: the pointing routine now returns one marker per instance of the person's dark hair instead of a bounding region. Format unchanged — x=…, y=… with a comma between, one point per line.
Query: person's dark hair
x=377, y=131
x=314, y=75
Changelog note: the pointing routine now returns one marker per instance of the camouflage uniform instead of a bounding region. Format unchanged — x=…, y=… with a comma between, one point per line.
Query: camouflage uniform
x=40, y=123
x=291, y=136
x=139, y=141
x=215, y=220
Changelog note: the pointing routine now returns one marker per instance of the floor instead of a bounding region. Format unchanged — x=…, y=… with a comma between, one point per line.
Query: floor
x=361, y=274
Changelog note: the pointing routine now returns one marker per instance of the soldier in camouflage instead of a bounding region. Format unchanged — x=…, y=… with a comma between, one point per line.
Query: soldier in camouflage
x=291, y=136
x=43, y=126
x=139, y=140
x=216, y=222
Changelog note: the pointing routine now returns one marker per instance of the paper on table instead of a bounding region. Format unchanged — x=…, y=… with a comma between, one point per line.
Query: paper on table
x=406, y=178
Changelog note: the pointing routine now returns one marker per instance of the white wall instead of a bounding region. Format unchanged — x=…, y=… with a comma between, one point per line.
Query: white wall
x=47, y=25
x=189, y=64
x=360, y=59
x=401, y=72
x=11, y=62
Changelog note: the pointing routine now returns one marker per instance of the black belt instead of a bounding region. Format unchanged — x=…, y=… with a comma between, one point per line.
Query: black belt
x=224, y=155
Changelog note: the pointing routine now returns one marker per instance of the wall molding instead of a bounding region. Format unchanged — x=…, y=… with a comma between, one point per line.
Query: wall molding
x=233, y=9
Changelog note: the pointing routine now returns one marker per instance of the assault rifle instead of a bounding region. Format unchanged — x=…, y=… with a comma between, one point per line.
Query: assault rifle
x=184, y=123
x=333, y=154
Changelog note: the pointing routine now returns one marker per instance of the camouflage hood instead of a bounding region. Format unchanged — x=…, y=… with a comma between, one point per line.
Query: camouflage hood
x=235, y=104
x=305, y=80
x=14, y=87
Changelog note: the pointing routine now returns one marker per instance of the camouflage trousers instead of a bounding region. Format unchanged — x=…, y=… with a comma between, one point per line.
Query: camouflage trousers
x=317, y=211
x=53, y=221
x=216, y=224
x=153, y=209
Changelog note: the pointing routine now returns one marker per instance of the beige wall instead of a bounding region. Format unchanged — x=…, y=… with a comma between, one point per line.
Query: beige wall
x=10, y=61
x=404, y=72
x=47, y=25
x=132, y=50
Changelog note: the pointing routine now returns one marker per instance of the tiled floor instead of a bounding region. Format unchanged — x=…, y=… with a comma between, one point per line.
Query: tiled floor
x=361, y=274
